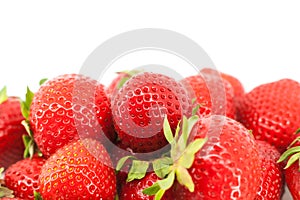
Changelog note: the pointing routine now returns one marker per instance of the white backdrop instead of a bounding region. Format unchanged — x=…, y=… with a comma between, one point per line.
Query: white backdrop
x=256, y=41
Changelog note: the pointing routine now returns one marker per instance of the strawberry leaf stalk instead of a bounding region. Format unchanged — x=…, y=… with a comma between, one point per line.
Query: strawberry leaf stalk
x=181, y=158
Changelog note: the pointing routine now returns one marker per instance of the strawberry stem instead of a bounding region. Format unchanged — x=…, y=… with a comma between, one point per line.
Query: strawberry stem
x=3, y=94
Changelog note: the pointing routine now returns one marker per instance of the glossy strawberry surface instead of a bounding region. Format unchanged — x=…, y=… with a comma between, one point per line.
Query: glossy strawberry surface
x=227, y=167
x=79, y=170
x=22, y=177
x=271, y=111
x=11, y=131
x=140, y=106
x=70, y=107
x=271, y=181
x=213, y=94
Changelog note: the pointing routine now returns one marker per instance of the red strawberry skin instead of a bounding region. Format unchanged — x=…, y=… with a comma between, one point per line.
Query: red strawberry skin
x=68, y=107
x=79, y=169
x=271, y=111
x=292, y=177
x=214, y=94
x=134, y=190
x=271, y=181
x=11, y=131
x=139, y=108
x=23, y=176
x=113, y=87
x=227, y=167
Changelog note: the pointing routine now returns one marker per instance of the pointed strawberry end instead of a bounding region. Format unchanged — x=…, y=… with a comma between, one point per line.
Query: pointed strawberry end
x=3, y=95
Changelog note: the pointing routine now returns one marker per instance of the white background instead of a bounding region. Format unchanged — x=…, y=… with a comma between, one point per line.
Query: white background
x=256, y=41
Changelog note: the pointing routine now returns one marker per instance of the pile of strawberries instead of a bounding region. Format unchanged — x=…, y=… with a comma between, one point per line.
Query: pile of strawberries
x=149, y=136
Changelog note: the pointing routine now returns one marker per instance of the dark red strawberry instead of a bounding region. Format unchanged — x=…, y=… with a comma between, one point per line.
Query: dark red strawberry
x=140, y=106
x=271, y=111
x=134, y=190
x=79, y=169
x=11, y=130
x=69, y=107
x=292, y=168
x=271, y=181
x=22, y=177
x=213, y=94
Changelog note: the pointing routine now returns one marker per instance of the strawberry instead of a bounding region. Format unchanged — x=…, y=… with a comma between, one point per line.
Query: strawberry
x=11, y=130
x=271, y=111
x=139, y=108
x=66, y=108
x=271, y=181
x=134, y=190
x=292, y=168
x=119, y=81
x=22, y=177
x=213, y=94
x=82, y=169
x=214, y=158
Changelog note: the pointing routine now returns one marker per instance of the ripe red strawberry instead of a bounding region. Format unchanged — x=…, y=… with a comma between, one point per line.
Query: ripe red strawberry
x=119, y=81
x=139, y=108
x=68, y=107
x=213, y=94
x=271, y=181
x=11, y=130
x=292, y=168
x=227, y=167
x=271, y=111
x=22, y=177
x=238, y=88
x=79, y=169
x=134, y=190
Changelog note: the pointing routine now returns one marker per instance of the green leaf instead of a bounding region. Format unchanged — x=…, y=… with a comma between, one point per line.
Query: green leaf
x=187, y=127
x=25, y=105
x=37, y=196
x=167, y=183
x=122, y=161
x=194, y=100
x=195, y=109
x=159, y=194
x=298, y=131
x=152, y=190
x=26, y=125
x=177, y=131
x=138, y=170
x=294, y=142
x=167, y=131
x=122, y=82
x=188, y=156
x=184, y=178
x=42, y=81
x=292, y=160
x=3, y=94
x=5, y=192
x=288, y=153
x=161, y=166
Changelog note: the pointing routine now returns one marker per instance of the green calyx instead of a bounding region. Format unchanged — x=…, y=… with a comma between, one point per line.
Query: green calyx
x=3, y=94
x=292, y=154
x=4, y=191
x=37, y=196
x=174, y=165
x=28, y=140
x=181, y=158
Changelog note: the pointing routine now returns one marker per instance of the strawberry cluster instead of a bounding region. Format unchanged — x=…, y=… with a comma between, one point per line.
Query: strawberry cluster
x=148, y=136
